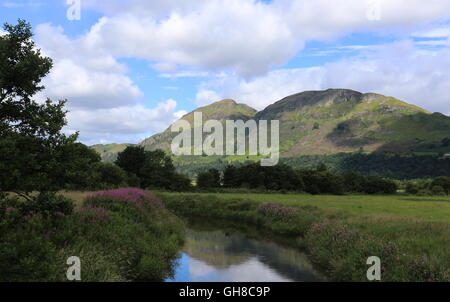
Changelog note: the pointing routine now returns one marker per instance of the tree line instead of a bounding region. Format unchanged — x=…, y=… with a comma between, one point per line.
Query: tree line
x=285, y=178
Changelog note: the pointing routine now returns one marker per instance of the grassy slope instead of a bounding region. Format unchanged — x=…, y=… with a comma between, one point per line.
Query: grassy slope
x=109, y=152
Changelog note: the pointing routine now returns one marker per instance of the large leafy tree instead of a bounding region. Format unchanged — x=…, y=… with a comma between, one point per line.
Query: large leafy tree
x=154, y=169
x=32, y=146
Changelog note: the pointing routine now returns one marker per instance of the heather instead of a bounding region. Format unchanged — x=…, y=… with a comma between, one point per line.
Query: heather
x=338, y=241
x=119, y=235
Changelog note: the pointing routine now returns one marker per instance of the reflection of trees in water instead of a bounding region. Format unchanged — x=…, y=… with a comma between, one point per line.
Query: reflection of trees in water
x=219, y=250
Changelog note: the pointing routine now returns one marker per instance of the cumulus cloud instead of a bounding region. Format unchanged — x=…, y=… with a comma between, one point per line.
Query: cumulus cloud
x=87, y=76
x=400, y=69
x=237, y=44
x=104, y=104
x=244, y=36
x=125, y=121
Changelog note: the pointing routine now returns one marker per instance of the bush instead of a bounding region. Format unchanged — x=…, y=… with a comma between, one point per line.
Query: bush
x=120, y=235
x=136, y=225
x=46, y=204
x=438, y=190
x=412, y=188
x=109, y=175
x=443, y=182
x=378, y=185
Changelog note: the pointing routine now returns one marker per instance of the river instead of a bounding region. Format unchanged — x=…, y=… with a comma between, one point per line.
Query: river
x=219, y=255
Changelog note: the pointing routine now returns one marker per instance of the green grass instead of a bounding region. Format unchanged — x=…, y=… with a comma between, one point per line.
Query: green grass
x=119, y=235
x=432, y=209
x=411, y=234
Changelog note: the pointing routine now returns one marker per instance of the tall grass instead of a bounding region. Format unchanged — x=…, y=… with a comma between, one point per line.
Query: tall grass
x=119, y=235
x=338, y=241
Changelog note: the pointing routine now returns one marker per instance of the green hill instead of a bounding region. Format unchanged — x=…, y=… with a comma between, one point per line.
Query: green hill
x=340, y=120
x=332, y=121
x=221, y=111
x=109, y=152
x=321, y=123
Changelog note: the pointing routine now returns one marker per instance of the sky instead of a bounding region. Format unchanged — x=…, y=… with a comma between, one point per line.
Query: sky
x=129, y=68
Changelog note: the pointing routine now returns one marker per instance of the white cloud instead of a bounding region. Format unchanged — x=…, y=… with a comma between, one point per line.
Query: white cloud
x=236, y=43
x=128, y=122
x=185, y=74
x=244, y=36
x=205, y=96
x=87, y=76
x=104, y=104
x=439, y=32
x=398, y=69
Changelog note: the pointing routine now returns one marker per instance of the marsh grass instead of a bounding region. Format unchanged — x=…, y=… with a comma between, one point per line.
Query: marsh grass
x=412, y=237
x=119, y=235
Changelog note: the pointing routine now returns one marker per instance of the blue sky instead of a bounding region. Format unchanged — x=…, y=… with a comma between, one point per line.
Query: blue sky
x=129, y=68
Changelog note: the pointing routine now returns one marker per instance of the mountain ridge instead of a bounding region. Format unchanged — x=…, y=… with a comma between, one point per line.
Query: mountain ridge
x=331, y=121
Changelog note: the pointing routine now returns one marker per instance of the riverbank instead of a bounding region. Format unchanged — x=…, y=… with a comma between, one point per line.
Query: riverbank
x=340, y=235
x=118, y=235
x=216, y=251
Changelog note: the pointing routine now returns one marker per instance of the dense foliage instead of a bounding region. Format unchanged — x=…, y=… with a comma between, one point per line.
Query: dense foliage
x=437, y=186
x=284, y=178
x=32, y=146
x=120, y=235
x=153, y=169
x=384, y=164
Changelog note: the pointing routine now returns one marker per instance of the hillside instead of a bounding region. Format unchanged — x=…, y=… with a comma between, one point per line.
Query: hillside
x=340, y=120
x=332, y=121
x=221, y=111
x=321, y=123
x=109, y=152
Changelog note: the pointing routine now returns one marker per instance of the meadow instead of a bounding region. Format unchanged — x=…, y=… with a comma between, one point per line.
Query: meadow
x=410, y=234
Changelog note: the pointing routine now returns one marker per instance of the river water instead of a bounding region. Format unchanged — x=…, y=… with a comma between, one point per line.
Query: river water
x=216, y=255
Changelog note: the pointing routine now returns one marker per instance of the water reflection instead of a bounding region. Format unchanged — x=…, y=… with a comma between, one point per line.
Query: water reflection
x=218, y=256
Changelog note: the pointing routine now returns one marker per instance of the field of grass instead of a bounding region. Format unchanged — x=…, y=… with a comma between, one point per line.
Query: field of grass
x=418, y=227
x=432, y=209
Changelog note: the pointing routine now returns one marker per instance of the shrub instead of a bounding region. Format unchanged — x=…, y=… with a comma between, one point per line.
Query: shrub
x=110, y=175
x=277, y=211
x=412, y=188
x=47, y=204
x=438, y=190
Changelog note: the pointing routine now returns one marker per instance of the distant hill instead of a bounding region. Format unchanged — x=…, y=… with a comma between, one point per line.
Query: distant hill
x=109, y=152
x=341, y=120
x=321, y=123
x=332, y=121
x=221, y=111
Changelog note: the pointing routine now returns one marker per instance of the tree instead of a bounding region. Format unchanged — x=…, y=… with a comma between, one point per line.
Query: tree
x=153, y=169
x=379, y=185
x=109, y=175
x=443, y=182
x=131, y=159
x=231, y=177
x=157, y=170
x=208, y=179
x=31, y=141
x=78, y=170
